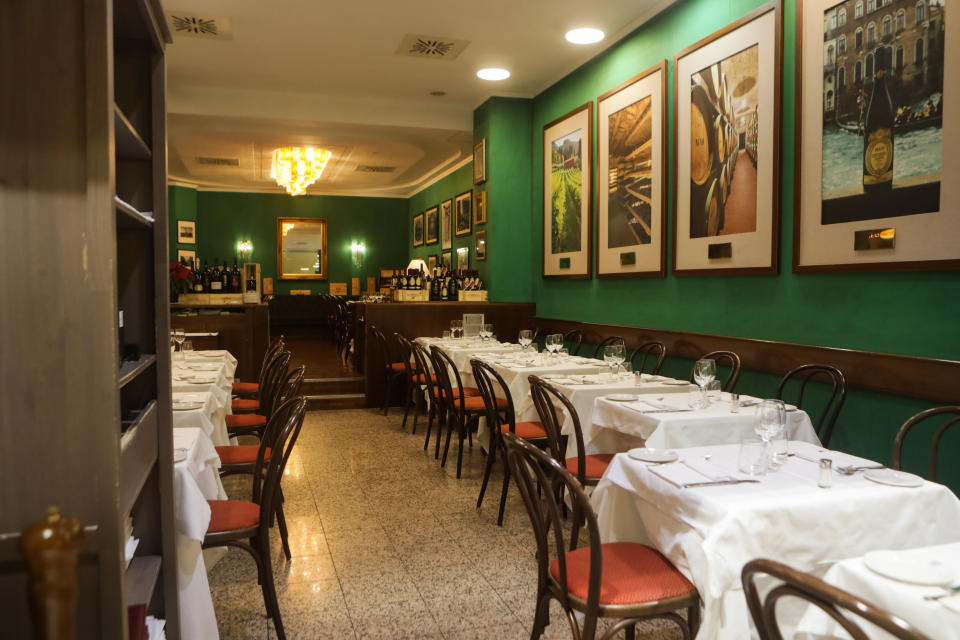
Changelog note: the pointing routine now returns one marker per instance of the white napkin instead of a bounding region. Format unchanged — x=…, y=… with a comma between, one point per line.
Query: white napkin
x=839, y=458
x=693, y=471
x=951, y=602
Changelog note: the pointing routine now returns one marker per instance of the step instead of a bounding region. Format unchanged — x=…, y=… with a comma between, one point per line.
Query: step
x=336, y=401
x=327, y=386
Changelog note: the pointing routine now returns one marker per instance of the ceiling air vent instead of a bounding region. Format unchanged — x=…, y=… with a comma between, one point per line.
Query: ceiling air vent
x=431, y=47
x=221, y=162
x=372, y=168
x=185, y=23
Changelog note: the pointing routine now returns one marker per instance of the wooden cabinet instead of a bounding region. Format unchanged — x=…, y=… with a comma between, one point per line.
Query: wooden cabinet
x=243, y=330
x=82, y=126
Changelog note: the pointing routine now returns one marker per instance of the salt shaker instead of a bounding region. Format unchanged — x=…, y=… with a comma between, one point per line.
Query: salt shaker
x=734, y=402
x=826, y=473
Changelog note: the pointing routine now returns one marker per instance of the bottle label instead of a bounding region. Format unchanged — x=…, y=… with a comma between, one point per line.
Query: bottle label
x=216, y=285
x=878, y=157
x=198, y=287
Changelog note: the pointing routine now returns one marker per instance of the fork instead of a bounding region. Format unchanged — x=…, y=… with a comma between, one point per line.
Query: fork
x=949, y=592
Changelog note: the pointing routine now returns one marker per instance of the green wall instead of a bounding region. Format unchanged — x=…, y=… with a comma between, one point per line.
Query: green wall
x=226, y=218
x=182, y=204
x=911, y=313
x=446, y=188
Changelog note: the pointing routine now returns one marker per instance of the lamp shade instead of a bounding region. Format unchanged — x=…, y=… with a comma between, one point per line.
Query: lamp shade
x=417, y=264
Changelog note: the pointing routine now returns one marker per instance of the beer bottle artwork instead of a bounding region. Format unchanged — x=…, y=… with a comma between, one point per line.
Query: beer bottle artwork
x=878, y=132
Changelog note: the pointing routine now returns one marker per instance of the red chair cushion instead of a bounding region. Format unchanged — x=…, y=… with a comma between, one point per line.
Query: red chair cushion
x=421, y=380
x=527, y=430
x=631, y=573
x=398, y=366
x=245, y=404
x=246, y=420
x=466, y=391
x=246, y=387
x=228, y=515
x=240, y=454
x=596, y=464
x=475, y=403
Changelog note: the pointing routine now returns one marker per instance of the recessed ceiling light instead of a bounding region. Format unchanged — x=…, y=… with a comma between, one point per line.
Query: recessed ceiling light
x=493, y=74
x=584, y=36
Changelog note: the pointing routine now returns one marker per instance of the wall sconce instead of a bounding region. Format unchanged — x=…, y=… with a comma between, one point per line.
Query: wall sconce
x=244, y=248
x=357, y=249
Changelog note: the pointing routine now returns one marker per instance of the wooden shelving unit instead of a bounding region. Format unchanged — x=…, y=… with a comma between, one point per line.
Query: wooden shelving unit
x=88, y=432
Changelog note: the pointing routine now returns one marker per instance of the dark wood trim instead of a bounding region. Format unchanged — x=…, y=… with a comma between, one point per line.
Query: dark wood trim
x=931, y=379
x=662, y=271
x=774, y=268
x=323, y=257
x=588, y=147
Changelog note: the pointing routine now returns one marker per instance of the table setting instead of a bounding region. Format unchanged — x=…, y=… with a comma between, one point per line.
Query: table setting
x=201, y=409
x=710, y=509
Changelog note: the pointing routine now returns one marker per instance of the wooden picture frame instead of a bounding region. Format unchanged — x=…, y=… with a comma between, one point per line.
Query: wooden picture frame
x=463, y=258
x=304, y=262
x=446, y=259
x=727, y=148
x=431, y=229
x=901, y=215
x=632, y=158
x=446, y=224
x=418, y=230
x=568, y=174
x=480, y=207
x=186, y=231
x=480, y=162
x=187, y=256
x=432, y=261
x=480, y=245
x=463, y=217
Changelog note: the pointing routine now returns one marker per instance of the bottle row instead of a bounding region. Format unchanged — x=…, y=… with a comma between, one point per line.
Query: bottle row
x=442, y=283
x=216, y=278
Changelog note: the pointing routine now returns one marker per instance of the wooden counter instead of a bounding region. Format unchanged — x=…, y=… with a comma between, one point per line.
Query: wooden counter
x=414, y=319
x=244, y=331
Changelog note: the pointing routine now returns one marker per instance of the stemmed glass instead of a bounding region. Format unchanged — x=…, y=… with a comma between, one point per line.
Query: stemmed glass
x=613, y=356
x=456, y=328
x=179, y=335
x=526, y=338
x=554, y=342
x=486, y=332
x=773, y=418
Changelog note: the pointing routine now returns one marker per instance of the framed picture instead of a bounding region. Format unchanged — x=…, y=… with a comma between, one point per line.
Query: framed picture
x=567, y=203
x=480, y=250
x=432, y=227
x=726, y=146
x=186, y=232
x=632, y=209
x=877, y=129
x=418, y=230
x=480, y=162
x=187, y=256
x=446, y=259
x=480, y=207
x=463, y=204
x=432, y=261
x=446, y=224
x=463, y=258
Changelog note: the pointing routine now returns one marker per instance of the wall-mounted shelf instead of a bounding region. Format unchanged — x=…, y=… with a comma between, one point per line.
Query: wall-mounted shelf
x=138, y=454
x=130, y=369
x=140, y=579
x=129, y=217
x=129, y=144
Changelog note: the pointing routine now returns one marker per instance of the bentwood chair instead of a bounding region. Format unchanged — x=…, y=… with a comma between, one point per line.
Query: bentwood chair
x=951, y=416
x=251, y=388
x=252, y=424
x=724, y=359
x=831, y=408
x=651, y=354
x=251, y=403
x=462, y=406
x=246, y=524
x=626, y=581
x=411, y=391
x=501, y=418
x=393, y=367
x=606, y=342
x=843, y=607
x=572, y=340
x=427, y=382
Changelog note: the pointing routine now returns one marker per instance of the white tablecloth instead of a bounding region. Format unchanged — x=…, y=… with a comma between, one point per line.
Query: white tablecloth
x=899, y=598
x=619, y=426
x=195, y=481
x=213, y=355
x=460, y=351
x=709, y=533
x=211, y=417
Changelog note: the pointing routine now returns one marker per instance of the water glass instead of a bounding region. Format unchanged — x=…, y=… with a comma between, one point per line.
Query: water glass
x=698, y=398
x=187, y=346
x=564, y=352
x=713, y=391
x=704, y=372
x=626, y=372
x=446, y=335
x=525, y=338
x=753, y=456
x=780, y=448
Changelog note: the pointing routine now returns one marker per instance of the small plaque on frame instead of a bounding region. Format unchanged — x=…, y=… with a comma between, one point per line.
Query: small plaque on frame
x=869, y=239
x=628, y=259
x=720, y=250
x=564, y=263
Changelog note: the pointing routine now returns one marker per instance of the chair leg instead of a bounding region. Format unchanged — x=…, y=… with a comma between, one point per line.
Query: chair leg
x=459, y=452
x=418, y=396
x=442, y=420
x=426, y=441
x=541, y=618
x=693, y=619
x=386, y=393
x=269, y=588
x=630, y=633
x=446, y=446
x=503, y=493
x=486, y=475
x=406, y=403
x=282, y=526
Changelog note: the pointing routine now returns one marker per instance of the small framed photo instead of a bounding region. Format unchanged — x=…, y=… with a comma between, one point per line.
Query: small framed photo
x=481, y=246
x=186, y=232
x=463, y=217
x=480, y=207
x=418, y=230
x=480, y=162
x=463, y=258
x=432, y=261
x=446, y=224
x=187, y=256
x=446, y=259
x=432, y=227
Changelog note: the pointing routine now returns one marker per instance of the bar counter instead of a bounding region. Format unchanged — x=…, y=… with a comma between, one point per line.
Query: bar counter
x=414, y=319
x=245, y=332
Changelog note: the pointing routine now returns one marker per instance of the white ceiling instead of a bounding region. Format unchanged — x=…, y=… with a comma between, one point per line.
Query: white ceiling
x=327, y=73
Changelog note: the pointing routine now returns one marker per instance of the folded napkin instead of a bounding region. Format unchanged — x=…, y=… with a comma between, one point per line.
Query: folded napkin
x=694, y=471
x=646, y=405
x=839, y=459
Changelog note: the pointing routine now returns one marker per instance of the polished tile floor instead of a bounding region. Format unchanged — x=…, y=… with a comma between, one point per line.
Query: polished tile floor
x=388, y=545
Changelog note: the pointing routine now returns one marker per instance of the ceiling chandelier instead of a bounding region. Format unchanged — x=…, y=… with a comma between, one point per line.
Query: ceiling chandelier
x=296, y=168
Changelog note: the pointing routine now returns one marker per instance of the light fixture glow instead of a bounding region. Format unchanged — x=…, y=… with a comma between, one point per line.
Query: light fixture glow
x=493, y=73
x=244, y=248
x=585, y=35
x=296, y=168
x=357, y=249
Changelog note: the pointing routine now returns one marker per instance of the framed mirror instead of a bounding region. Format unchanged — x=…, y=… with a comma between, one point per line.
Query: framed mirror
x=302, y=248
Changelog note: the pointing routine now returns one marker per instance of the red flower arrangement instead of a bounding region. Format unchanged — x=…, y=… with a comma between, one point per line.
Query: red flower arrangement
x=181, y=278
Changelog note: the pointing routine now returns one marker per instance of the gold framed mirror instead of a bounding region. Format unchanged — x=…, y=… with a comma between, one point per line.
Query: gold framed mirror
x=302, y=248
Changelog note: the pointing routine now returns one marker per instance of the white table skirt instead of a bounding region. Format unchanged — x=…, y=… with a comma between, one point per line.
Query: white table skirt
x=196, y=480
x=461, y=351
x=709, y=533
x=211, y=417
x=213, y=355
x=616, y=427
x=899, y=598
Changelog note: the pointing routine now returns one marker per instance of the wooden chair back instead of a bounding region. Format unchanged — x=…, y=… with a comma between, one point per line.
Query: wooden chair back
x=272, y=385
x=650, y=353
x=843, y=607
x=606, y=342
x=488, y=381
x=280, y=435
x=425, y=366
x=952, y=417
x=447, y=374
x=572, y=341
x=552, y=406
x=404, y=351
x=290, y=387
x=831, y=408
x=724, y=359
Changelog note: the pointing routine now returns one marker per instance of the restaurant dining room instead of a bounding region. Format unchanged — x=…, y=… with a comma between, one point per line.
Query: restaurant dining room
x=454, y=320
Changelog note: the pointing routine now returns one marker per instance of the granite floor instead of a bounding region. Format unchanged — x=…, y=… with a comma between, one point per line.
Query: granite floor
x=388, y=545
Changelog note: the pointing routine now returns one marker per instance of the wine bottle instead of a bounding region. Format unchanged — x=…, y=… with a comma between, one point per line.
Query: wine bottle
x=235, y=278
x=216, y=284
x=197, y=277
x=878, y=132
x=444, y=290
x=393, y=279
x=205, y=276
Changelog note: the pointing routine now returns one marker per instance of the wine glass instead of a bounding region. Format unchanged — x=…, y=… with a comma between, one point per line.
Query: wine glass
x=487, y=331
x=772, y=419
x=179, y=335
x=526, y=338
x=456, y=328
x=610, y=357
x=554, y=342
x=618, y=355
x=704, y=372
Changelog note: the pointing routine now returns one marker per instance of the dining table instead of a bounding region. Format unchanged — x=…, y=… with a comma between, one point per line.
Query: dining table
x=710, y=519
